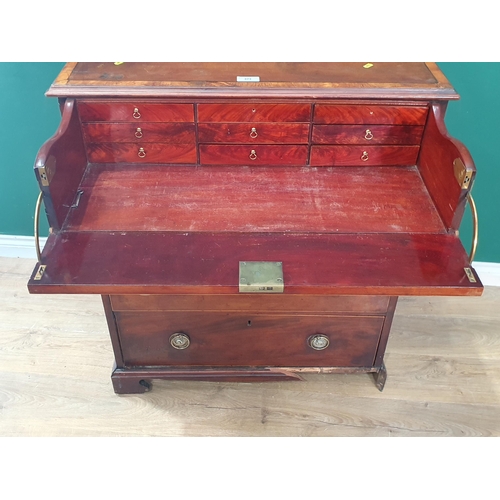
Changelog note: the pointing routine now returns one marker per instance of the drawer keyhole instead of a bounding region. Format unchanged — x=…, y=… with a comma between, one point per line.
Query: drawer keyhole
x=249, y=323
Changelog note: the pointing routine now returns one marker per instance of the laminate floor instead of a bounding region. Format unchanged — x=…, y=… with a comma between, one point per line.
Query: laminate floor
x=443, y=362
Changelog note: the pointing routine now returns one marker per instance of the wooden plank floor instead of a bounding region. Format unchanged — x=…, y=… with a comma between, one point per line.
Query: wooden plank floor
x=443, y=361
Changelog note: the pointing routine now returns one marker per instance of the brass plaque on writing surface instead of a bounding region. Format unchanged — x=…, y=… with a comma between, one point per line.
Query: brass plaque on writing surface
x=261, y=277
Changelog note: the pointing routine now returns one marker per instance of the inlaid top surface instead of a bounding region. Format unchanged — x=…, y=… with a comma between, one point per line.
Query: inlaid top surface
x=357, y=80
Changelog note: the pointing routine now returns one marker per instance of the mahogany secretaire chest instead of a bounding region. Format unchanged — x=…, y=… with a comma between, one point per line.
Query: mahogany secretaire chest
x=252, y=221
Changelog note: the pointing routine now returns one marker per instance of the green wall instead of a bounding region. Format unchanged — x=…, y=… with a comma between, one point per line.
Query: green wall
x=28, y=119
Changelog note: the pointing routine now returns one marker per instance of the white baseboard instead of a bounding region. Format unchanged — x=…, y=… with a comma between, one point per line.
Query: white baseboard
x=24, y=247
x=19, y=246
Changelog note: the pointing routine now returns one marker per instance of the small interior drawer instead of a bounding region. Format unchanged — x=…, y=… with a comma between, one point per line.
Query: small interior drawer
x=136, y=112
x=254, y=133
x=367, y=134
x=369, y=114
x=253, y=155
x=247, y=339
x=141, y=152
x=254, y=112
x=352, y=156
x=172, y=133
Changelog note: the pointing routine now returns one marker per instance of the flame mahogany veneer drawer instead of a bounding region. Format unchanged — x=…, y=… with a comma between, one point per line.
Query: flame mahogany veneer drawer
x=369, y=114
x=271, y=303
x=253, y=155
x=172, y=133
x=254, y=112
x=247, y=339
x=97, y=111
x=362, y=134
x=353, y=156
x=254, y=133
x=146, y=153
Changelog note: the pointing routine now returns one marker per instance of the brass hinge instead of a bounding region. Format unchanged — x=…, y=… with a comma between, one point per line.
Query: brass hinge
x=462, y=174
x=261, y=277
x=39, y=273
x=470, y=274
x=43, y=176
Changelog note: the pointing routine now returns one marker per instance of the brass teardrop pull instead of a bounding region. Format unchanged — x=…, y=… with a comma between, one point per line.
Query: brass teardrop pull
x=138, y=133
x=253, y=155
x=136, y=113
x=253, y=133
x=141, y=153
x=364, y=156
x=368, y=135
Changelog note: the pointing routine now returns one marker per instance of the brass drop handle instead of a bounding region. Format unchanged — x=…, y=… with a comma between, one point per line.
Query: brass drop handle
x=253, y=133
x=318, y=342
x=253, y=155
x=180, y=341
x=138, y=133
x=368, y=135
x=364, y=156
x=141, y=153
x=136, y=113
x=37, y=226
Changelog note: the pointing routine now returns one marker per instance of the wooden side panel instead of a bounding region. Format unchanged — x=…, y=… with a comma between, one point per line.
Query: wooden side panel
x=353, y=156
x=64, y=159
x=435, y=164
x=221, y=339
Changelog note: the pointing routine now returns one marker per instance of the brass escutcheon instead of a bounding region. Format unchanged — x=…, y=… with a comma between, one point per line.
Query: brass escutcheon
x=141, y=153
x=364, y=156
x=318, y=342
x=136, y=113
x=368, y=135
x=179, y=341
x=138, y=133
x=253, y=155
x=253, y=133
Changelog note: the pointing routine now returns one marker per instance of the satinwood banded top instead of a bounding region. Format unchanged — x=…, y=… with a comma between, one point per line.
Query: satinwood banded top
x=298, y=80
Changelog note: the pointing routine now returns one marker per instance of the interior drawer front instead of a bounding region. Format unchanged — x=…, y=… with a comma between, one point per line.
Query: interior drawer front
x=372, y=134
x=136, y=112
x=141, y=153
x=172, y=133
x=253, y=155
x=256, y=112
x=228, y=339
x=370, y=114
x=271, y=303
x=254, y=133
x=353, y=156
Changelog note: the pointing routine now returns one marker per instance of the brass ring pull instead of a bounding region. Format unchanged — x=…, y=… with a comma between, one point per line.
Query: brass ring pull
x=253, y=155
x=253, y=133
x=318, y=342
x=475, y=230
x=179, y=341
x=136, y=113
x=364, y=156
x=141, y=153
x=368, y=135
x=138, y=133
x=37, y=226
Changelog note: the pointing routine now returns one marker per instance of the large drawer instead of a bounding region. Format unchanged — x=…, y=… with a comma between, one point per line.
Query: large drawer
x=352, y=156
x=172, y=133
x=246, y=339
x=254, y=112
x=362, y=134
x=254, y=133
x=145, y=153
x=369, y=114
x=137, y=112
x=253, y=155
